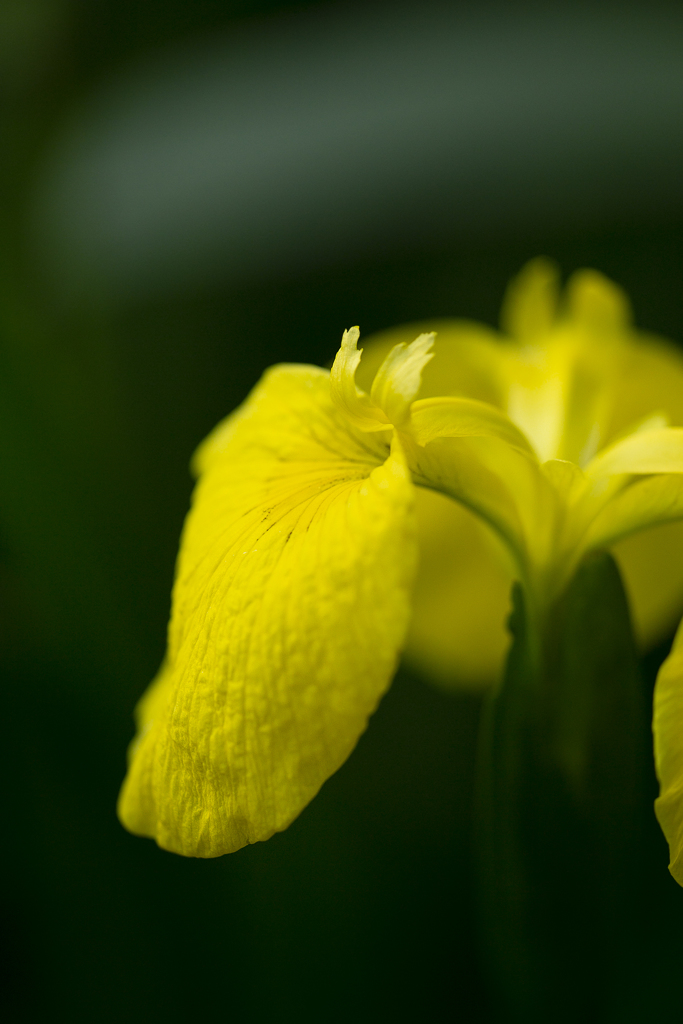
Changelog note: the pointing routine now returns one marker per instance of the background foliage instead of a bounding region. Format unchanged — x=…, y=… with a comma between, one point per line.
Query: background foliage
x=126, y=334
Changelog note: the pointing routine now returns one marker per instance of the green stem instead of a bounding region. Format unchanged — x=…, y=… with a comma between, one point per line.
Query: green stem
x=559, y=803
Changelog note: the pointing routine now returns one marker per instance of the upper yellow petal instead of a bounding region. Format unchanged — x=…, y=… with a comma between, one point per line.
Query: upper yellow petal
x=563, y=373
x=530, y=304
x=643, y=452
x=648, y=379
x=398, y=379
x=643, y=503
x=597, y=307
x=463, y=417
x=351, y=400
x=507, y=488
x=290, y=606
x=572, y=377
x=469, y=359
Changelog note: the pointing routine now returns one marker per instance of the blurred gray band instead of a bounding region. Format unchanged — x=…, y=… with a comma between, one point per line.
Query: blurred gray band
x=296, y=141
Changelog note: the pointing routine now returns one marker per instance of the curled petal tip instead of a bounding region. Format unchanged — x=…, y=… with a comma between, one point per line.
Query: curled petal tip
x=398, y=379
x=353, y=402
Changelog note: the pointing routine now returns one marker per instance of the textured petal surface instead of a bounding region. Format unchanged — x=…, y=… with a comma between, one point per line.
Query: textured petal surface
x=668, y=731
x=290, y=605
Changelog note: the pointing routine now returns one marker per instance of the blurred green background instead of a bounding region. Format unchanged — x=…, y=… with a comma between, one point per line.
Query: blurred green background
x=192, y=190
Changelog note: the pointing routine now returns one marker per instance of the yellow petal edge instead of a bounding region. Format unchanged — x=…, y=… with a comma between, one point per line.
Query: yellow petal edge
x=290, y=606
x=668, y=736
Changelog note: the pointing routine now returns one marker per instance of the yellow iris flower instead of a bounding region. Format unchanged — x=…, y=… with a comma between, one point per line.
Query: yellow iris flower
x=334, y=525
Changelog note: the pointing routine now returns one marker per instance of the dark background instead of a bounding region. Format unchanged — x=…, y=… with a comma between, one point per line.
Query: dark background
x=190, y=192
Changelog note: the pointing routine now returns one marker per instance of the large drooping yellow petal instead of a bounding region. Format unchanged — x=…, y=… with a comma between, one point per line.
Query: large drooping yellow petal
x=668, y=729
x=289, y=609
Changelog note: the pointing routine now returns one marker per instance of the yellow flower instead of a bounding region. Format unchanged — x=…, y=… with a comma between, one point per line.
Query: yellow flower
x=297, y=564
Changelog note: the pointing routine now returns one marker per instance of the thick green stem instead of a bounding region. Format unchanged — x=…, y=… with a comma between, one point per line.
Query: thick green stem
x=561, y=799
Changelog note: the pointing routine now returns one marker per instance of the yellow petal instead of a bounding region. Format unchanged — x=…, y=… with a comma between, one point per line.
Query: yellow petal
x=668, y=729
x=563, y=375
x=463, y=417
x=536, y=403
x=458, y=634
x=469, y=359
x=651, y=566
x=530, y=303
x=289, y=609
x=398, y=379
x=647, y=451
x=356, y=405
x=461, y=599
x=643, y=503
x=648, y=379
x=597, y=306
x=504, y=486
x=650, y=559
